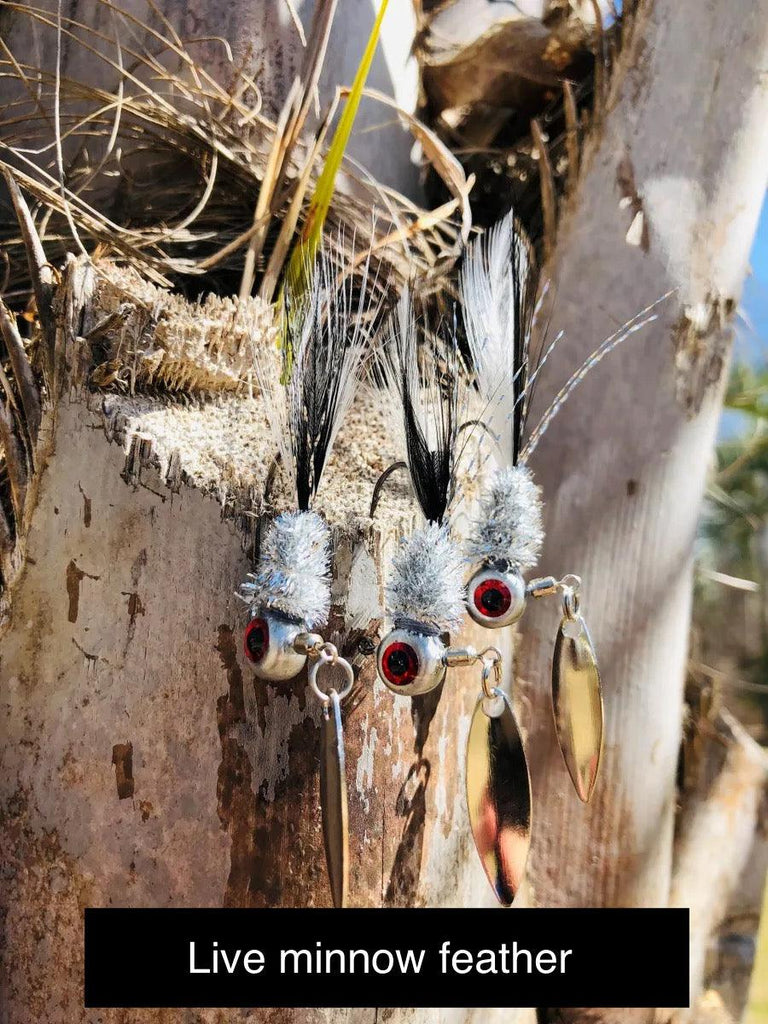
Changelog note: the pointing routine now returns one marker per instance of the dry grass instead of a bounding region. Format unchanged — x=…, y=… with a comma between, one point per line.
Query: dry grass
x=182, y=203
x=184, y=177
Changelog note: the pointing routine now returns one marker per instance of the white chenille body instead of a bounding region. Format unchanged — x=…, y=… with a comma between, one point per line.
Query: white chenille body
x=426, y=580
x=293, y=576
x=509, y=525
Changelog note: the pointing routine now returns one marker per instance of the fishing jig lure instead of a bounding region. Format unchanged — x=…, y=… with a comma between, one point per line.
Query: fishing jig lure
x=307, y=388
x=424, y=596
x=425, y=600
x=498, y=293
x=425, y=591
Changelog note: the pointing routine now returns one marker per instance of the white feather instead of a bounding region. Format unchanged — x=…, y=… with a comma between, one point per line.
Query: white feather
x=487, y=289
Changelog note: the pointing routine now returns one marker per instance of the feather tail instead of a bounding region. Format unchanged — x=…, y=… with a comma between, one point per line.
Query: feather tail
x=428, y=406
x=497, y=288
x=308, y=385
x=636, y=323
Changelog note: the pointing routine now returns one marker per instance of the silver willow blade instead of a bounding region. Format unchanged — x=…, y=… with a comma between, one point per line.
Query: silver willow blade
x=499, y=795
x=577, y=701
x=333, y=799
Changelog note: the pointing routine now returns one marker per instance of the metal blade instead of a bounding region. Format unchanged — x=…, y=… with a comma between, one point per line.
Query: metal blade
x=577, y=702
x=333, y=800
x=499, y=795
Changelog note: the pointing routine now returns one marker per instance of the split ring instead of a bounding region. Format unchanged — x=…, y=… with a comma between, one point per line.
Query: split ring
x=492, y=664
x=328, y=659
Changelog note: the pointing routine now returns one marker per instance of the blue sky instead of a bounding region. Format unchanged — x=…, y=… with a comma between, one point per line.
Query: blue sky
x=753, y=340
x=752, y=322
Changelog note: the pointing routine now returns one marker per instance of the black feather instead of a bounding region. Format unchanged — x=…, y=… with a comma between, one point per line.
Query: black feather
x=524, y=284
x=326, y=331
x=429, y=403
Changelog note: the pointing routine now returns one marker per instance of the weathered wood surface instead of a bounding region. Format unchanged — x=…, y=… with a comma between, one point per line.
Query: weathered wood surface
x=142, y=763
x=623, y=466
x=721, y=856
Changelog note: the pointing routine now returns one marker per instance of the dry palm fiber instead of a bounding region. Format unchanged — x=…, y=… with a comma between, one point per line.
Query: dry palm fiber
x=517, y=95
x=166, y=169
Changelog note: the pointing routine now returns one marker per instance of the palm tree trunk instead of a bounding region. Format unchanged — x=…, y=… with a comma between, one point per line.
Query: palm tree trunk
x=624, y=465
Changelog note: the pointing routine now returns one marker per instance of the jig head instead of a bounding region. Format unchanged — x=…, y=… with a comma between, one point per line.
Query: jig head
x=411, y=661
x=307, y=388
x=424, y=596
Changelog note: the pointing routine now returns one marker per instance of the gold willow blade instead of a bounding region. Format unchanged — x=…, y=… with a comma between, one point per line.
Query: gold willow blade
x=577, y=702
x=499, y=794
x=333, y=799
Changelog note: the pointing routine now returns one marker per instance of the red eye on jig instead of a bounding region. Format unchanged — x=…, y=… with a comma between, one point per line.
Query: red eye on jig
x=498, y=293
x=496, y=598
x=411, y=662
x=256, y=640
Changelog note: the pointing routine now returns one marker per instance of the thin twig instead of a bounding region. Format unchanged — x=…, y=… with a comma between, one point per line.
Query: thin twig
x=732, y=681
x=599, y=86
x=266, y=192
x=15, y=461
x=296, y=21
x=40, y=271
x=22, y=371
x=291, y=216
x=547, y=184
x=57, y=135
x=571, y=134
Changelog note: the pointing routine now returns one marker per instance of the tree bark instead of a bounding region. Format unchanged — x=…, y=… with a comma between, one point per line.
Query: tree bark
x=143, y=764
x=724, y=810
x=623, y=466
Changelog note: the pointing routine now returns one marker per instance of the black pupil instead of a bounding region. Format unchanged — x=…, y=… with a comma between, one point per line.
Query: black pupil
x=492, y=599
x=398, y=663
x=256, y=640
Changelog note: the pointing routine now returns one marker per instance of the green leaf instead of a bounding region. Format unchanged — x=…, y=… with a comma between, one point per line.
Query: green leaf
x=304, y=253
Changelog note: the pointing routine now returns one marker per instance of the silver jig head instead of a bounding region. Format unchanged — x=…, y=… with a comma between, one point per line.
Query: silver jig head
x=270, y=644
x=411, y=661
